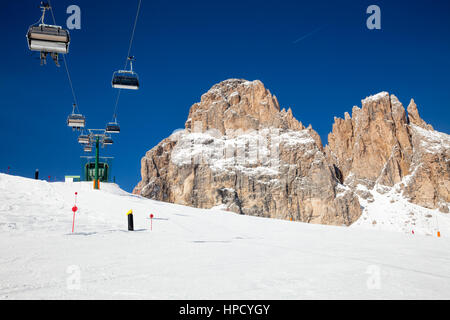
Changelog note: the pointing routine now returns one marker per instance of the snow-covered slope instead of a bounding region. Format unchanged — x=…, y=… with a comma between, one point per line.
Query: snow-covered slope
x=387, y=209
x=198, y=254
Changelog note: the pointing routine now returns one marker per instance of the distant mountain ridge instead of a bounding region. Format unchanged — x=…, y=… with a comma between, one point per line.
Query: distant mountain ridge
x=241, y=153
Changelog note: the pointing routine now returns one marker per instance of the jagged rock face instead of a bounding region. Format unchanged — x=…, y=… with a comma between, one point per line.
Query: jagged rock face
x=374, y=144
x=240, y=152
x=380, y=145
x=428, y=183
x=414, y=118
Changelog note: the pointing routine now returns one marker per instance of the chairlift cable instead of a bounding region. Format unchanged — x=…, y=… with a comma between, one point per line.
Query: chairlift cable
x=65, y=65
x=71, y=85
x=132, y=33
x=127, y=58
x=115, y=107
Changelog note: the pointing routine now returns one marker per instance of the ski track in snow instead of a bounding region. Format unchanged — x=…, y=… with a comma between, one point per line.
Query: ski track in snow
x=204, y=254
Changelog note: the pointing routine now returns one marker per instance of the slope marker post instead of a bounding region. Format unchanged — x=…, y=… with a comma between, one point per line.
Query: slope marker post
x=130, y=220
x=437, y=226
x=74, y=209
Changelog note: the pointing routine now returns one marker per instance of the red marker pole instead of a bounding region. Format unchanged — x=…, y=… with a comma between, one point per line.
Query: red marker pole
x=74, y=209
x=8, y=169
x=151, y=220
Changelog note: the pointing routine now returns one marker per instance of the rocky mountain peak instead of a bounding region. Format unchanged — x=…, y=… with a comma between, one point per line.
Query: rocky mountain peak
x=414, y=118
x=380, y=145
x=241, y=153
x=239, y=104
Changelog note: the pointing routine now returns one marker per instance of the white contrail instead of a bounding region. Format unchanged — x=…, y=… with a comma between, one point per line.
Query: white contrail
x=309, y=34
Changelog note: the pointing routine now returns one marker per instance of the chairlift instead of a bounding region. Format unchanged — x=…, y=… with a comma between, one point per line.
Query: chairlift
x=108, y=141
x=84, y=139
x=88, y=148
x=76, y=121
x=112, y=127
x=126, y=79
x=48, y=39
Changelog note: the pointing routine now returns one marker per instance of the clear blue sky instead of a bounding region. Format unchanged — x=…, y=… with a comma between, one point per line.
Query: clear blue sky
x=185, y=47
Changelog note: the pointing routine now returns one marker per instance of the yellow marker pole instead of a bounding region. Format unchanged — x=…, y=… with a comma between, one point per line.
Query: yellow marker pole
x=130, y=220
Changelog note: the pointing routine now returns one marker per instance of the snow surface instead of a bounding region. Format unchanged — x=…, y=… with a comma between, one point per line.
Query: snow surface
x=390, y=211
x=197, y=254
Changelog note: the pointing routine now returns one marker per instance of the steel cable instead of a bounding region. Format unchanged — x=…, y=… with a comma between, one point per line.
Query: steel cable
x=126, y=61
x=65, y=65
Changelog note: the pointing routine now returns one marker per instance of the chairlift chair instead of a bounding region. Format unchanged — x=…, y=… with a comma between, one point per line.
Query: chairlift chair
x=126, y=79
x=88, y=148
x=112, y=127
x=76, y=121
x=48, y=39
x=84, y=139
x=107, y=141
